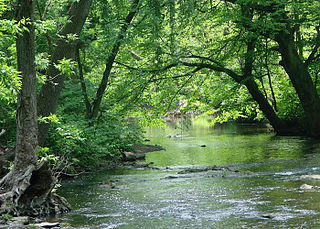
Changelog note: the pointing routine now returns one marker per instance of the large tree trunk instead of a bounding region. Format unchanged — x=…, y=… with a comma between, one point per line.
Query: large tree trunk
x=248, y=80
x=292, y=63
x=26, y=189
x=281, y=127
x=301, y=81
x=50, y=91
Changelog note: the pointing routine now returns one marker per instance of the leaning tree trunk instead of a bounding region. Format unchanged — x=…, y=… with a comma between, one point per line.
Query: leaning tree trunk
x=302, y=82
x=110, y=60
x=280, y=126
x=26, y=189
x=50, y=91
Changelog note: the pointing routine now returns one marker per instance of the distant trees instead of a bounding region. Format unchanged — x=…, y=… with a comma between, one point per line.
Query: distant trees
x=257, y=44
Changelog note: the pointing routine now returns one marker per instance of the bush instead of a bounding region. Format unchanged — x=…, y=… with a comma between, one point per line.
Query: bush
x=86, y=144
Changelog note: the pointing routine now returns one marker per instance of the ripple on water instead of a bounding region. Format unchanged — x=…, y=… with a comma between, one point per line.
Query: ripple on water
x=268, y=196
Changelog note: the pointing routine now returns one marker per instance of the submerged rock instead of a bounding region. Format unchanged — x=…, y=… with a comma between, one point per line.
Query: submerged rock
x=267, y=216
x=205, y=169
x=20, y=220
x=175, y=136
x=312, y=177
x=120, y=187
x=171, y=177
x=306, y=187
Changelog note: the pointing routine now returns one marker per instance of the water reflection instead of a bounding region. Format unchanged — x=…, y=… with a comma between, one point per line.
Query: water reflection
x=225, y=144
x=265, y=194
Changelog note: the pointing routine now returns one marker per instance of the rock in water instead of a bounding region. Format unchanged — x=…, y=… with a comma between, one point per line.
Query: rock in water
x=48, y=225
x=20, y=220
x=267, y=216
x=313, y=177
x=306, y=187
x=129, y=156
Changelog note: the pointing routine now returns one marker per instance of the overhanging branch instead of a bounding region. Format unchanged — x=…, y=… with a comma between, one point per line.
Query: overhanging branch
x=313, y=57
x=216, y=66
x=220, y=68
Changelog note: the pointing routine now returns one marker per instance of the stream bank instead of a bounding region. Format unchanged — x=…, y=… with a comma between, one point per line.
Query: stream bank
x=245, y=177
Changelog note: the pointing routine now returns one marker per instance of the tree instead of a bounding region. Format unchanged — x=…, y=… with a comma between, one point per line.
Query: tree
x=282, y=28
x=92, y=109
x=210, y=44
x=26, y=189
x=64, y=49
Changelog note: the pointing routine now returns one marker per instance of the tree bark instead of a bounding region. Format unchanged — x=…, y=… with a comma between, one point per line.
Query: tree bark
x=26, y=189
x=248, y=80
x=255, y=92
x=281, y=127
x=110, y=60
x=274, y=101
x=301, y=81
x=50, y=91
x=26, y=119
x=82, y=83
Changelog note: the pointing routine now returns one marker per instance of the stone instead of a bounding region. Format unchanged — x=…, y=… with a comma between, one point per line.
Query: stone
x=312, y=177
x=129, y=156
x=20, y=220
x=48, y=225
x=306, y=187
x=267, y=216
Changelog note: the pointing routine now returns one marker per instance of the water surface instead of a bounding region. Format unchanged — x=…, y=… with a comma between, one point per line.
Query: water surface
x=265, y=193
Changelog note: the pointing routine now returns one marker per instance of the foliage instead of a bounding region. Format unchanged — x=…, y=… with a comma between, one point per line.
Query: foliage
x=216, y=33
x=152, y=75
x=66, y=67
x=86, y=143
x=9, y=76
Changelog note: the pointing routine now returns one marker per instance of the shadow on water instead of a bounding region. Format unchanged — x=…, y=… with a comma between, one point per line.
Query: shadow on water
x=258, y=185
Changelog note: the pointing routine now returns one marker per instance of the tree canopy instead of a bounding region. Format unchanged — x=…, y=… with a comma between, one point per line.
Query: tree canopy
x=100, y=63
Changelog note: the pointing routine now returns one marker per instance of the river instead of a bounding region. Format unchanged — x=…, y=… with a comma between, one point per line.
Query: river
x=259, y=182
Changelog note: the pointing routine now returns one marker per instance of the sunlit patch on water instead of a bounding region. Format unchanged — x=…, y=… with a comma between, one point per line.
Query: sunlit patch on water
x=260, y=186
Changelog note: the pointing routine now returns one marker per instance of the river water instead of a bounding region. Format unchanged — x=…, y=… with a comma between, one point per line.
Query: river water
x=259, y=183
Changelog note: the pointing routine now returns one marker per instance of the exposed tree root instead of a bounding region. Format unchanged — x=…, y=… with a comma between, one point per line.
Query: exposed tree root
x=28, y=192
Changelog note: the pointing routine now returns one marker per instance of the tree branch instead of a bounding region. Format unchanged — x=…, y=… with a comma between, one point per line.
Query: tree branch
x=216, y=67
x=235, y=76
x=177, y=76
x=111, y=59
x=204, y=58
x=82, y=83
x=177, y=92
x=153, y=71
x=312, y=56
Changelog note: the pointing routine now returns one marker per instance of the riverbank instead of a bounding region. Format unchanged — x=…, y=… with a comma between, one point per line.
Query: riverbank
x=132, y=159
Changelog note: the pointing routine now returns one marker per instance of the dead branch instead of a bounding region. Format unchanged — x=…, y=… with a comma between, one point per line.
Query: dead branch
x=2, y=132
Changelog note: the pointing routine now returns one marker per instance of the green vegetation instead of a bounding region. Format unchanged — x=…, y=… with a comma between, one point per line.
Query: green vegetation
x=110, y=61
x=79, y=141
